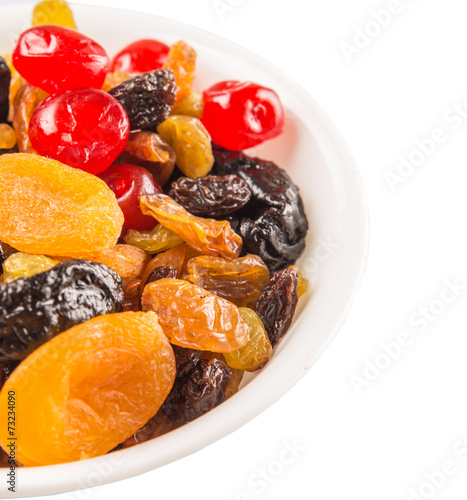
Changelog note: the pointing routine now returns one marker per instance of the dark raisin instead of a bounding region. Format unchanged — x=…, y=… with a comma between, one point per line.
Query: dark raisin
x=273, y=224
x=147, y=98
x=198, y=391
x=277, y=302
x=156, y=426
x=161, y=272
x=5, y=252
x=35, y=309
x=185, y=359
x=211, y=195
x=5, y=79
x=6, y=370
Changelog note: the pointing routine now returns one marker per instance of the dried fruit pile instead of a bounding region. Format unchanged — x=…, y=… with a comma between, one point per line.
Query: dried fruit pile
x=148, y=262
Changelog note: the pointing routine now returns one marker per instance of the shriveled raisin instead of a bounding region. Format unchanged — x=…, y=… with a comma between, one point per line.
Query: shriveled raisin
x=211, y=195
x=239, y=280
x=192, y=105
x=277, y=302
x=185, y=359
x=156, y=426
x=53, y=12
x=161, y=272
x=147, y=98
x=35, y=309
x=198, y=391
x=5, y=252
x=7, y=137
x=114, y=79
x=273, y=224
x=24, y=105
x=148, y=149
x=23, y=265
x=5, y=79
x=206, y=236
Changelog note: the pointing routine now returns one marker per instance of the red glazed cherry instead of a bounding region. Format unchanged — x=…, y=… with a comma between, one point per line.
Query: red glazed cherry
x=141, y=57
x=54, y=58
x=85, y=128
x=240, y=115
x=129, y=182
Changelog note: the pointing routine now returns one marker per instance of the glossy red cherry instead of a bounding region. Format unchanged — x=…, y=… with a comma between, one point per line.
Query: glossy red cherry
x=54, y=58
x=85, y=128
x=240, y=115
x=129, y=182
x=141, y=56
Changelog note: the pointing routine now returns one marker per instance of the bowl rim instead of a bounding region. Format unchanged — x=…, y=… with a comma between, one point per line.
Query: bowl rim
x=120, y=464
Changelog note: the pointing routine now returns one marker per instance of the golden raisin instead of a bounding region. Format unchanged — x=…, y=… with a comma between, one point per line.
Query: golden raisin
x=23, y=265
x=192, y=317
x=89, y=388
x=206, y=236
x=7, y=137
x=114, y=79
x=239, y=280
x=53, y=12
x=16, y=82
x=191, y=142
x=49, y=208
x=148, y=149
x=176, y=258
x=303, y=283
x=192, y=105
x=182, y=61
x=24, y=105
x=157, y=240
x=258, y=351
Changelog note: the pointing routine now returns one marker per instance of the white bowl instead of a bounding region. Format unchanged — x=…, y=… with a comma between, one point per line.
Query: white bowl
x=314, y=154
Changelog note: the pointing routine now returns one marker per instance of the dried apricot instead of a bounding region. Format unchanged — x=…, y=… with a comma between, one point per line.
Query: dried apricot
x=49, y=208
x=192, y=317
x=88, y=389
x=206, y=236
x=114, y=79
x=126, y=260
x=239, y=280
x=257, y=352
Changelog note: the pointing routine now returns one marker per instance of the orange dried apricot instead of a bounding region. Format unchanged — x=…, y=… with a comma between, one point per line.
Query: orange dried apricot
x=85, y=391
x=192, y=317
x=49, y=208
x=206, y=236
x=114, y=79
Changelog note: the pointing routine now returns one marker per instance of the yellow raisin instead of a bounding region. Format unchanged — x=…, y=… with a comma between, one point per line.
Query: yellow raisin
x=191, y=142
x=258, y=351
x=53, y=12
x=206, y=236
x=23, y=265
x=157, y=240
x=7, y=137
x=303, y=283
x=24, y=105
x=192, y=105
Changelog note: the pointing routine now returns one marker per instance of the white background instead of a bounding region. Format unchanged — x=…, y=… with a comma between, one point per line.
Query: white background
x=395, y=89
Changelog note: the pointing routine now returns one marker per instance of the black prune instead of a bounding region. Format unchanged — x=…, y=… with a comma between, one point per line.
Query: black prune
x=5, y=79
x=147, y=98
x=198, y=391
x=35, y=309
x=277, y=302
x=273, y=224
x=185, y=359
x=211, y=195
